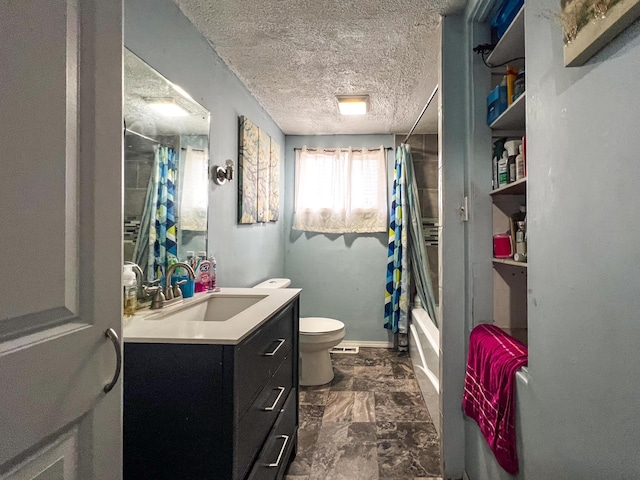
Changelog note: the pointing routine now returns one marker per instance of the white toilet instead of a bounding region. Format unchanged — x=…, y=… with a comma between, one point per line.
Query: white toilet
x=318, y=335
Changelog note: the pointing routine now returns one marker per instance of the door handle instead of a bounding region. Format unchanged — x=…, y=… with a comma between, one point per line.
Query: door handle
x=113, y=336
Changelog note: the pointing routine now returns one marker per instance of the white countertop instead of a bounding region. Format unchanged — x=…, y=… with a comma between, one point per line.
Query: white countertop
x=158, y=326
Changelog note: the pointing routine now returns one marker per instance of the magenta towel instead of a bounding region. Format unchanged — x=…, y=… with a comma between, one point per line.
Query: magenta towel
x=489, y=389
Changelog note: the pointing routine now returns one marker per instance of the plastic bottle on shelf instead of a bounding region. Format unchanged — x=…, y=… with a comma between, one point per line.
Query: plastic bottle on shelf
x=521, y=243
x=503, y=170
x=512, y=73
x=520, y=172
x=129, y=291
x=512, y=150
x=518, y=86
x=498, y=148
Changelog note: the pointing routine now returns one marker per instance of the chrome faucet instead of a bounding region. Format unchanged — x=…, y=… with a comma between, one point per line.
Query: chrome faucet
x=172, y=293
x=142, y=293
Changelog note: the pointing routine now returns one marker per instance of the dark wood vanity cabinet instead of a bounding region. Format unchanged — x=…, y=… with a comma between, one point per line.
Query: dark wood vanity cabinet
x=207, y=411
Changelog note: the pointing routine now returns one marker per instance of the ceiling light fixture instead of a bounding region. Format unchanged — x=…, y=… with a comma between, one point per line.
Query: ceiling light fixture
x=167, y=106
x=353, y=104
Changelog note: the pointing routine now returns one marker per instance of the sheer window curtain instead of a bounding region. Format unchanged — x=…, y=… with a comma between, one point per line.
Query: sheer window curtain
x=341, y=190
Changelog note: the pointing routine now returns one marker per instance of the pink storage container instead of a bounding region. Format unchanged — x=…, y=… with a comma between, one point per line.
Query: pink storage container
x=502, y=246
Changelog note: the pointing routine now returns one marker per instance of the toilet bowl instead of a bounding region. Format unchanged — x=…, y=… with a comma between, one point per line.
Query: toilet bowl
x=317, y=336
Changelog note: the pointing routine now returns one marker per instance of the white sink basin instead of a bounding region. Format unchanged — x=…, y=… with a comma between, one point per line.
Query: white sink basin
x=221, y=309
x=224, y=318
x=216, y=309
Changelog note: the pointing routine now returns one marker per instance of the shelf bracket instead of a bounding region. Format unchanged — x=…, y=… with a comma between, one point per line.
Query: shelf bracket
x=464, y=209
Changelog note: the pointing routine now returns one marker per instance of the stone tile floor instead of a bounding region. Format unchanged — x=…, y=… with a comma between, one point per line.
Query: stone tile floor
x=369, y=423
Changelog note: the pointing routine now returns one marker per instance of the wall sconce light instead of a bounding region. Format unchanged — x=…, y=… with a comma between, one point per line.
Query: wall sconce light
x=221, y=174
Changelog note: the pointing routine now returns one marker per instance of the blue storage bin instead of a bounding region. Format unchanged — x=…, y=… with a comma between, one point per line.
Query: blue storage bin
x=503, y=17
x=496, y=103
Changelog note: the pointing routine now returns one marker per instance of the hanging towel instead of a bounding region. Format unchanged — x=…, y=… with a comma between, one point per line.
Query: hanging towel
x=489, y=389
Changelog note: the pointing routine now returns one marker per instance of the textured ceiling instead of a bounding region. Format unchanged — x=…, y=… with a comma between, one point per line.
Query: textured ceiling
x=295, y=56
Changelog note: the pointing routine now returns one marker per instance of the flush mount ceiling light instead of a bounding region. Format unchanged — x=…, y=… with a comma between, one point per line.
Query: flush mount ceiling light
x=353, y=104
x=167, y=106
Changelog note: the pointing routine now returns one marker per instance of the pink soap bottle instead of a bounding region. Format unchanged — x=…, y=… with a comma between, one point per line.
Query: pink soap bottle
x=203, y=273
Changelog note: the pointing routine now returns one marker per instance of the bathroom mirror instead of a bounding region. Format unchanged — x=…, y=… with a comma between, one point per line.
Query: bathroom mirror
x=166, y=156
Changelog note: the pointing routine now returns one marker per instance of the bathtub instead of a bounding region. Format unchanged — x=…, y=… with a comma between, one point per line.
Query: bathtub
x=425, y=339
x=424, y=349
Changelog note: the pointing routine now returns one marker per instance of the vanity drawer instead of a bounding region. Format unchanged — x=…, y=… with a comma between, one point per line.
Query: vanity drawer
x=254, y=426
x=258, y=357
x=281, y=443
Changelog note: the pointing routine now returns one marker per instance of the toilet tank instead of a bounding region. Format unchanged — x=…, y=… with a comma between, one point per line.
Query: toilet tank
x=274, y=283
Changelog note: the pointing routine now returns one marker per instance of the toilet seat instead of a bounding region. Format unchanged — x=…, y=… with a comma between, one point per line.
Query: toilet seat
x=319, y=325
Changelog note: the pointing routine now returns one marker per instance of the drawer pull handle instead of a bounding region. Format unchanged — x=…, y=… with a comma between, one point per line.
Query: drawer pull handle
x=284, y=446
x=281, y=342
x=272, y=407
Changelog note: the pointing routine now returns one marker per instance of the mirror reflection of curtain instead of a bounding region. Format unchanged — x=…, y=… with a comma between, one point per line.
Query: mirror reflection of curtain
x=194, y=200
x=157, y=247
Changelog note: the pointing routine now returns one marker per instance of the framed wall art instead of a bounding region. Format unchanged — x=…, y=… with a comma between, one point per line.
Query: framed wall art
x=588, y=25
x=258, y=175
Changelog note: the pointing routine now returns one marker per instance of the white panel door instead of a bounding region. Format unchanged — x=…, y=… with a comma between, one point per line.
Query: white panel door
x=60, y=243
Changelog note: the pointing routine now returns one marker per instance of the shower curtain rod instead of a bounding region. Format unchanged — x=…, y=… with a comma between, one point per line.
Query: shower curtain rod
x=143, y=136
x=435, y=90
x=341, y=149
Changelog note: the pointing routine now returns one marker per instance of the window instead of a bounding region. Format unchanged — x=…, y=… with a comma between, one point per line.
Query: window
x=341, y=190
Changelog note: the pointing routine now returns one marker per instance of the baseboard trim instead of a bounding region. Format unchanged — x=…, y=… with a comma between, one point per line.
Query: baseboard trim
x=372, y=344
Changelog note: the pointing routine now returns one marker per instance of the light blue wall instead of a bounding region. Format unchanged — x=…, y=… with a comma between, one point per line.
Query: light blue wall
x=158, y=32
x=577, y=413
x=341, y=276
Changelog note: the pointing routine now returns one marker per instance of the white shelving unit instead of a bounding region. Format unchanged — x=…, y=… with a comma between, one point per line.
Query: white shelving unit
x=509, y=276
x=512, y=117
x=511, y=45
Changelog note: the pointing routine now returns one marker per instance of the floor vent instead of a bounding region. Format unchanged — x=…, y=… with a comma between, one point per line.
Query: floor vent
x=351, y=350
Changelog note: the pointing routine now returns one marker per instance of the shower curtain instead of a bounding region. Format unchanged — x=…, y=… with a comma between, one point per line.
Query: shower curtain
x=396, y=301
x=417, y=248
x=157, y=246
x=407, y=250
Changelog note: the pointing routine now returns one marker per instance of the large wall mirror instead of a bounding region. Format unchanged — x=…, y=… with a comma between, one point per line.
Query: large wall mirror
x=166, y=155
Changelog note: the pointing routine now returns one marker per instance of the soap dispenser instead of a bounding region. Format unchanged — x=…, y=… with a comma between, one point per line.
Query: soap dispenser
x=129, y=291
